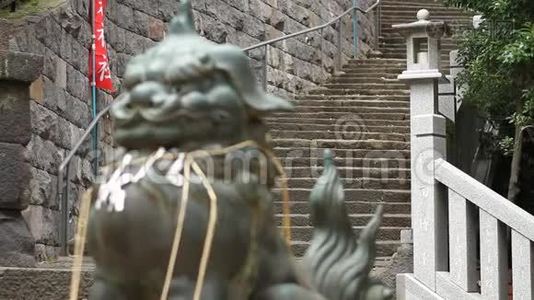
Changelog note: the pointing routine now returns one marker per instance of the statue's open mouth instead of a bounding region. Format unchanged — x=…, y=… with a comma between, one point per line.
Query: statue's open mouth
x=165, y=118
x=156, y=116
x=127, y=113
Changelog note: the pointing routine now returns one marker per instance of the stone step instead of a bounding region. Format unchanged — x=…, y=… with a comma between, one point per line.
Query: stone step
x=362, y=75
x=369, y=108
x=402, y=53
x=305, y=233
x=352, y=206
x=347, y=134
x=425, y=3
x=456, y=25
x=410, y=13
x=444, y=54
x=399, y=48
x=290, y=153
x=356, y=183
x=389, y=220
x=329, y=121
x=399, y=116
x=273, y=126
x=42, y=282
x=383, y=92
x=393, y=36
x=391, y=42
x=370, y=160
x=395, y=54
x=455, y=22
x=388, y=30
x=394, y=44
x=383, y=248
x=413, y=2
x=354, y=97
x=347, y=172
x=365, y=195
x=377, y=61
x=351, y=103
x=343, y=144
x=355, y=110
x=405, y=6
x=372, y=80
x=364, y=72
x=372, y=70
x=455, y=31
x=359, y=86
x=400, y=17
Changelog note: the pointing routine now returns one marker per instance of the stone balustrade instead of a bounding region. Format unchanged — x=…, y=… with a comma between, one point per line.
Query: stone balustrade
x=460, y=227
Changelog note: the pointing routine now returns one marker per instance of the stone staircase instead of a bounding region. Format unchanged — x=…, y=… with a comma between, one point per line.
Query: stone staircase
x=363, y=115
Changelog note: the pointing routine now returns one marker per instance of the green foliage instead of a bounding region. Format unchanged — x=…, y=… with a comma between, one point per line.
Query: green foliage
x=499, y=60
x=506, y=146
x=520, y=10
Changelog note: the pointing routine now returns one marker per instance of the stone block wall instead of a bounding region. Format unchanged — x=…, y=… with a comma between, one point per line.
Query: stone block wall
x=58, y=111
x=60, y=104
x=17, y=72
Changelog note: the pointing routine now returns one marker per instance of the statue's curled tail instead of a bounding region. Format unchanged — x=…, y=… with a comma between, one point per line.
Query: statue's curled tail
x=340, y=262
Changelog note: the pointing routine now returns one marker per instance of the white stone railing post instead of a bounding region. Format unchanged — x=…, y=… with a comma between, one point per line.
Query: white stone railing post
x=460, y=227
x=428, y=143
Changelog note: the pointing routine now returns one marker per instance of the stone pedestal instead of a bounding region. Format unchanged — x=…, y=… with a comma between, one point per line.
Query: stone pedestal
x=17, y=72
x=50, y=281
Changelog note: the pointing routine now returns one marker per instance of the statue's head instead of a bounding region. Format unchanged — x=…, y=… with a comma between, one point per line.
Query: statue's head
x=188, y=92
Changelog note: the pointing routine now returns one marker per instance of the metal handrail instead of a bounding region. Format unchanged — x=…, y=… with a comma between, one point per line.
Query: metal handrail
x=313, y=29
x=338, y=58
x=63, y=192
x=63, y=168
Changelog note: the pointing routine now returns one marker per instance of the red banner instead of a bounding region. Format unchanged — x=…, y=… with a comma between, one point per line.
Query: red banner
x=103, y=73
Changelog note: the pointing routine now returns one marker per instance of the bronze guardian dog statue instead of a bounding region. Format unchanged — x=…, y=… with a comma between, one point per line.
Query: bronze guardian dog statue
x=178, y=218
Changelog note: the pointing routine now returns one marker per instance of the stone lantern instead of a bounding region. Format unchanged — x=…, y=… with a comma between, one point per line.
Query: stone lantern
x=427, y=144
x=423, y=46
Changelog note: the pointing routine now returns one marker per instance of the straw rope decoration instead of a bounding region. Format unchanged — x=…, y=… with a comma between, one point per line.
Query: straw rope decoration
x=79, y=244
x=179, y=228
x=212, y=221
x=286, y=210
x=286, y=222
